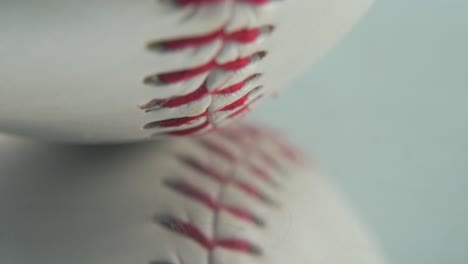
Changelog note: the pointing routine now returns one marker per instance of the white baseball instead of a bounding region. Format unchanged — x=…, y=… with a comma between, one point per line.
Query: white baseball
x=239, y=196
x=115, y=71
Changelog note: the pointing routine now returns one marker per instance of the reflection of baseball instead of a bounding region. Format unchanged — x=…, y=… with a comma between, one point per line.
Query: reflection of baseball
x=234, y=197
x=114, y=71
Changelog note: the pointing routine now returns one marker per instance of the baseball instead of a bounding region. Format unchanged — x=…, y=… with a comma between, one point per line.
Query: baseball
x=114, y=71
x=238, y=196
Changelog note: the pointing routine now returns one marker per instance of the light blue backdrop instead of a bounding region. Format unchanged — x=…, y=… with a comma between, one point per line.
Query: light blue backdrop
x=386, y=114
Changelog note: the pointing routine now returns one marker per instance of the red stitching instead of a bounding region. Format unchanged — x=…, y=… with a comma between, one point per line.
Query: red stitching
x=195, y=193
x=227, y=155
x=190, y=131
x=191, y=231
x=214, y=202
x=287, y=151
x=197, y=94
x=239, y=139
x=243, y=36
x=218, y=177
x=246, y=215
x=205, y=170
x=184, y=75
x=238, y=86
x=184, y=3
x=197, y=2
x=236, y=104
x=239, y=112
x=252, y=191
x=178, y=101
x=218, y=150
x=233, y=110
x=261, y=173
x=241, y=104
x=176, y=121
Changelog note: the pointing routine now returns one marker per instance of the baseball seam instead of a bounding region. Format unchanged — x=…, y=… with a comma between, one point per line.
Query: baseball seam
x=214, y=203
x=220, y=101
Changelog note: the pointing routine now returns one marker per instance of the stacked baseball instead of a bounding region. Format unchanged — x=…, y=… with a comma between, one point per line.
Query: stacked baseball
x=211, y=190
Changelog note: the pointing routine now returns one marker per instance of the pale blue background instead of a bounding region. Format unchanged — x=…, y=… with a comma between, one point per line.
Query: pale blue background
x=385, y=113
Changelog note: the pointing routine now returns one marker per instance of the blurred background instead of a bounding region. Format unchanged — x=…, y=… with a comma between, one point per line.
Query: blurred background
x=385, y=114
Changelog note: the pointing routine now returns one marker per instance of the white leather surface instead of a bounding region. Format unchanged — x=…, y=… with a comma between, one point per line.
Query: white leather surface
x=70, y=205
x=73, y=70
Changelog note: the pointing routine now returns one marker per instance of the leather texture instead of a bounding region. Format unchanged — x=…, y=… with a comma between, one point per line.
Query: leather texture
x=111, y=71
x=243, y=195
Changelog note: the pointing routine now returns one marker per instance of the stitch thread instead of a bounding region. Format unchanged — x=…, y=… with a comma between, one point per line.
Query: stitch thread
x=190, y=230
x=216, y=176
x=241, y=37
x=230, y=157
x=202, y=197
x=184, y=3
